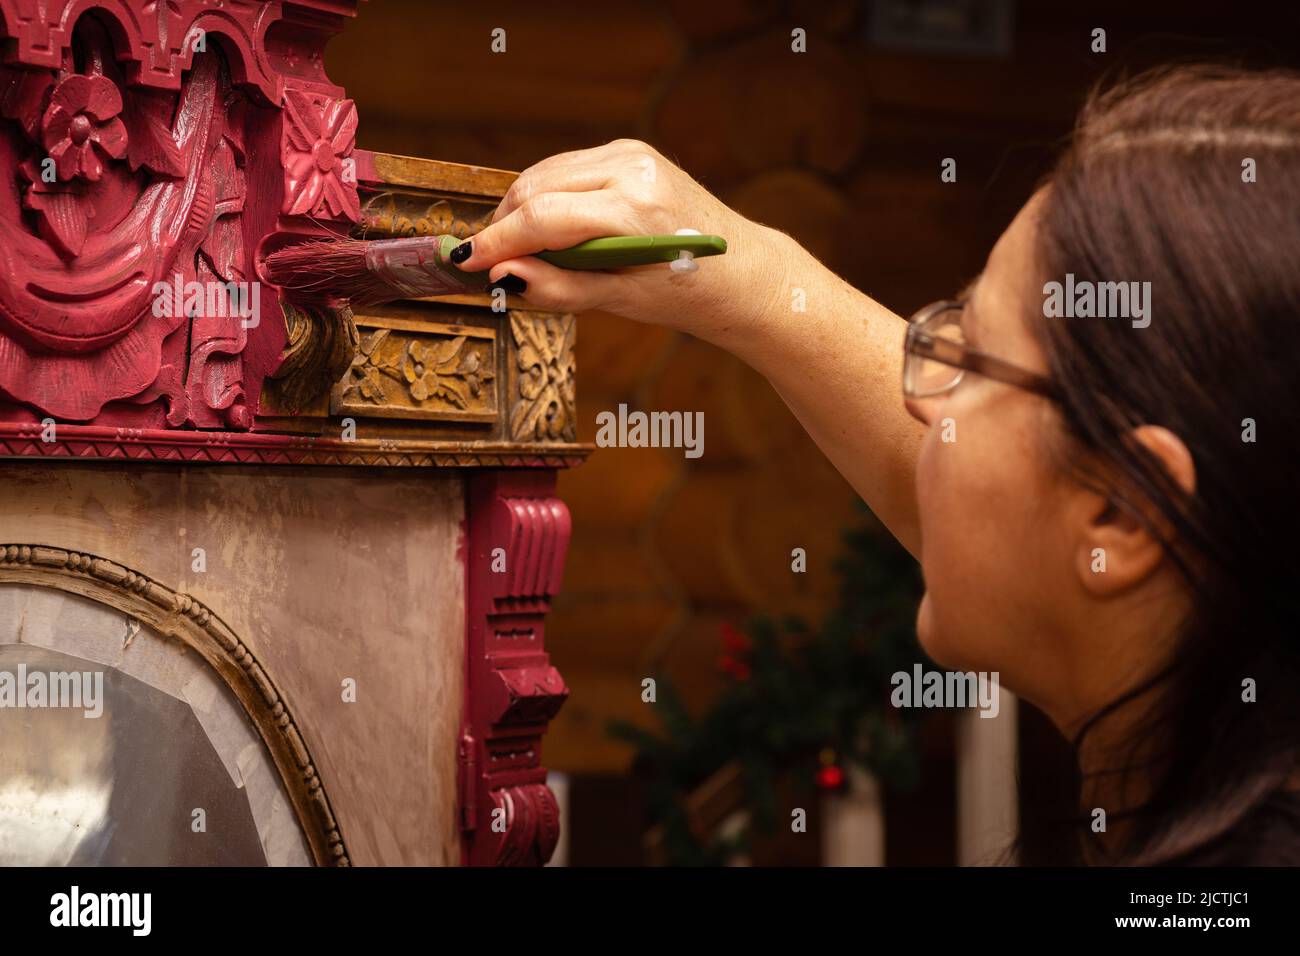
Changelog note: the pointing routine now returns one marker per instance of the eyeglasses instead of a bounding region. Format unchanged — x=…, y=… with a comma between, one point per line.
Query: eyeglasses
x=935, y=358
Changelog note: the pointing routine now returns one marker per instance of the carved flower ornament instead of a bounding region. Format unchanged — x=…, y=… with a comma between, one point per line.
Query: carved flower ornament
x=428, y=370
x=320, y=135
x=442, y=370
x=81, y=128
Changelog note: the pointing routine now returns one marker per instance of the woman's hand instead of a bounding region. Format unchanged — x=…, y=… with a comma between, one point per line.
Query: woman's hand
x=627, y=188
x=832, y=353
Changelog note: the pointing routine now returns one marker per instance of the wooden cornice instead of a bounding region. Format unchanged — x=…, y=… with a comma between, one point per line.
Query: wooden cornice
x=438, y=381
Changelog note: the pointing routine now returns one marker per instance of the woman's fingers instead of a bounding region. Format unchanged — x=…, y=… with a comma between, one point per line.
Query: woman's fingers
x=555, y=179
x=563, y=290
x=578, y=171
x=547, y=221
x=590, y=156
x=622, y=188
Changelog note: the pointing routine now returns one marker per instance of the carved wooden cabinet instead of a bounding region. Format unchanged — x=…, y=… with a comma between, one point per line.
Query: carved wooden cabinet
x=307, y=552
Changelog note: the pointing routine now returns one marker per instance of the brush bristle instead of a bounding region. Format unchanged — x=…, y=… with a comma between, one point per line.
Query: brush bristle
x=326, y=269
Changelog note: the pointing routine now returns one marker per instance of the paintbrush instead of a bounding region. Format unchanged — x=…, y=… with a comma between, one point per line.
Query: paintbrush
x=370, y=272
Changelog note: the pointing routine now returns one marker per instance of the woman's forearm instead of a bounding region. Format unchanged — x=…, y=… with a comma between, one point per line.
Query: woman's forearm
x=838, y=366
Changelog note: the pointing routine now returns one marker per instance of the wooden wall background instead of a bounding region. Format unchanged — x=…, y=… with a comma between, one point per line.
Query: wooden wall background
x=840, y=147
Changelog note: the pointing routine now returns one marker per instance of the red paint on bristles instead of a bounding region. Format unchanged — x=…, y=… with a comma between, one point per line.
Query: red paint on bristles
x=323, y=270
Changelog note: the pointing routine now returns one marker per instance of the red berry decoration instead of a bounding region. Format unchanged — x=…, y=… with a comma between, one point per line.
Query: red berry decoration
x=830, y=778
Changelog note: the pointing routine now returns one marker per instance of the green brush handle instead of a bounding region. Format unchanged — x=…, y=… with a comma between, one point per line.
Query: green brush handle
x=616, y=252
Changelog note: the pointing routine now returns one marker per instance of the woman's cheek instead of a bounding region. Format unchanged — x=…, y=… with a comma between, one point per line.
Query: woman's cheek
x=954, y=554
x=937, y=624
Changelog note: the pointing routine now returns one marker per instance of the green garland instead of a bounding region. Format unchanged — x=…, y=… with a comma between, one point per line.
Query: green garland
x=795, y=693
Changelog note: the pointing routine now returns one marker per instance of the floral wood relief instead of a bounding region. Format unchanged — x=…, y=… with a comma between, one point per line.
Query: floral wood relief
x=133, y=131
x=404, y=215
x=544, y=409
x=447, y=376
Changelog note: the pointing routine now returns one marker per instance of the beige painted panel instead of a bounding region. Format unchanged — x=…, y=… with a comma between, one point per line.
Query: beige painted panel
x=325, y=574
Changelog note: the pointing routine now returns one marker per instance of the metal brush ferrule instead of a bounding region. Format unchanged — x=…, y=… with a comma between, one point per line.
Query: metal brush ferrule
x=419, y=267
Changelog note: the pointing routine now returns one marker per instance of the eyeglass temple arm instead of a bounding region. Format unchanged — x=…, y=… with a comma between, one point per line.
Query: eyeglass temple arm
x=958, y=356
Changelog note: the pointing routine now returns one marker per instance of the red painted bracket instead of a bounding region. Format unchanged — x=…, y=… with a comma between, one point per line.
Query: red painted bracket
x=518, y=535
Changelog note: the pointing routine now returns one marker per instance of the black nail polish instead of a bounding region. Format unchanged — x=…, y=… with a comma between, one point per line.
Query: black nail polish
x=510, y=283
x=461, y=252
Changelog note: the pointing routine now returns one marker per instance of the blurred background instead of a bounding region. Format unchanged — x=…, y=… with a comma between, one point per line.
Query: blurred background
x=681, y=569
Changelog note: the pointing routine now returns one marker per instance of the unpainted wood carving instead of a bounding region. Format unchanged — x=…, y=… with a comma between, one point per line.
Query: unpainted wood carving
x=544, y=407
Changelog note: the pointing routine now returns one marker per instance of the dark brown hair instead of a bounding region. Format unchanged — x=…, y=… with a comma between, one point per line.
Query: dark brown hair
x=1153, y=187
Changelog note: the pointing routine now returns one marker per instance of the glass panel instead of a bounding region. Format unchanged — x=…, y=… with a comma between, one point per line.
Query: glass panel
x=151, y=762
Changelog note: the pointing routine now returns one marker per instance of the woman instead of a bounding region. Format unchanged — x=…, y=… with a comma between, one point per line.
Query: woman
x=1101, y=507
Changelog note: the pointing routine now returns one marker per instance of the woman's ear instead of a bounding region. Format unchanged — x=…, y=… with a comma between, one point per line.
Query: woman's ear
x=1116, y=549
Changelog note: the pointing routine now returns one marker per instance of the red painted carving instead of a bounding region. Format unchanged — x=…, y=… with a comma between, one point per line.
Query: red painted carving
x=319, y=172
x=267, y=41
x=518, y=536
x=137, y=130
